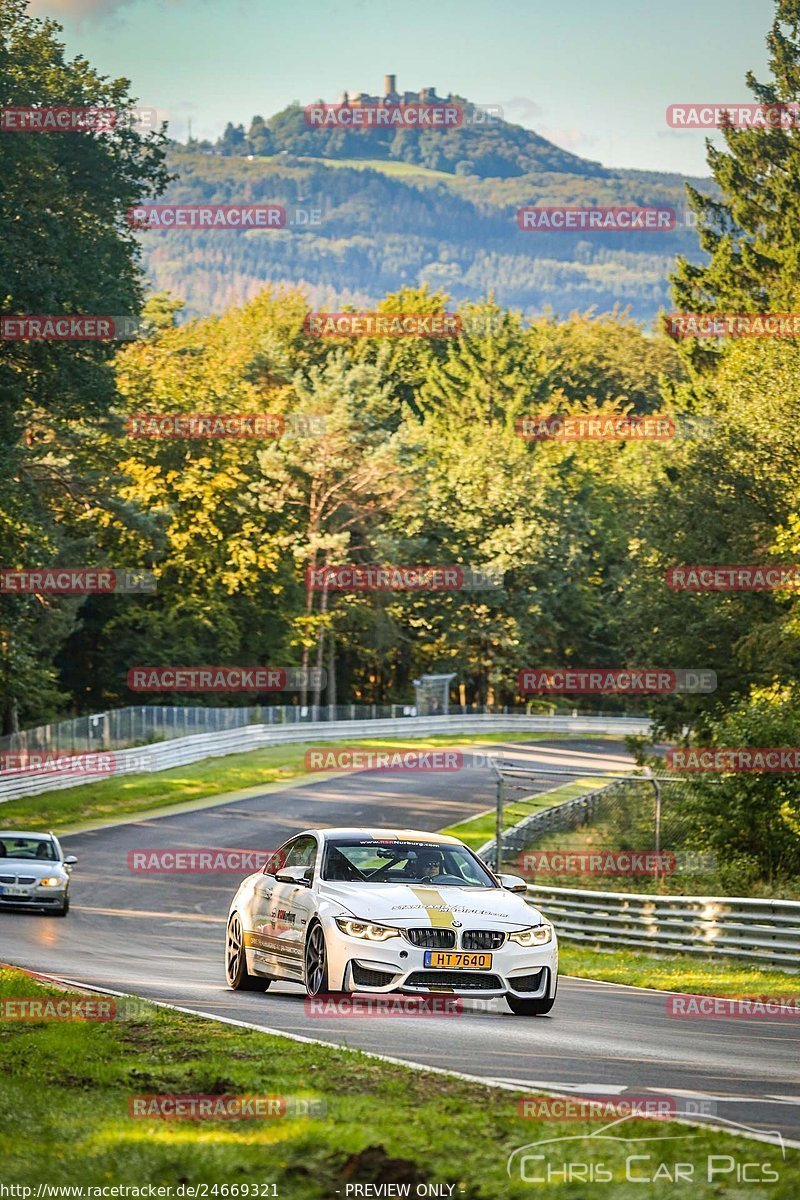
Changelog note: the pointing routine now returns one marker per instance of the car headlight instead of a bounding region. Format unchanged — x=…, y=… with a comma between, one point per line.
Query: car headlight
x=52, y=881
x=535, y=935
x=365, y=929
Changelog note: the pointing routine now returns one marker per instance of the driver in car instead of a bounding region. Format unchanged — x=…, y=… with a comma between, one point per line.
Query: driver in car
x=428, y=864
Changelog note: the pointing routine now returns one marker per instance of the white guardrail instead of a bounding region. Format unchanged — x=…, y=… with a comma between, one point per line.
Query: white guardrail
x=766, y=931
x=177, y=752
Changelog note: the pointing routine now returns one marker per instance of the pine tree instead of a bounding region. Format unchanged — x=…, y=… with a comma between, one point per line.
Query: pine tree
x=750, y=231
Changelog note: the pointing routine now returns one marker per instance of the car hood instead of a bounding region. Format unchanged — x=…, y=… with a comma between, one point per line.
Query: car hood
x=424, y=904
x=37, y=867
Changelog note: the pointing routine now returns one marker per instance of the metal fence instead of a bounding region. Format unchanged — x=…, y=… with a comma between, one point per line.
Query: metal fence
x=764, y=931
x=140, y=724
x=554, y=818
x=650, y=815
x=177, y=752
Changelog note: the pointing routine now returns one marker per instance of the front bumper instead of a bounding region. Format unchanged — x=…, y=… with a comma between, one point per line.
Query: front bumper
x=34, y=897
x=397, y=966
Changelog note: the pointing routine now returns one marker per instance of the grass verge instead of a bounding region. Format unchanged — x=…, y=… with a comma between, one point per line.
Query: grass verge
x=635, y=834
x=67, y=1088
x=675, y=972
x=115, y=797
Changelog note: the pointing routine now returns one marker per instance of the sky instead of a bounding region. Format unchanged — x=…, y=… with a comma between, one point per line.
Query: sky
x=593, y=76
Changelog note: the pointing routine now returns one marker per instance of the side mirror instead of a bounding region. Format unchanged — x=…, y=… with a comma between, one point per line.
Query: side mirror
x=70, y=860
x=513, y=883
x=300, y=876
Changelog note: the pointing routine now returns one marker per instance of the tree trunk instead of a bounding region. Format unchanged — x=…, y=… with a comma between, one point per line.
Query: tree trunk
x=304, y=656
x=10, y=723
x=323, y=608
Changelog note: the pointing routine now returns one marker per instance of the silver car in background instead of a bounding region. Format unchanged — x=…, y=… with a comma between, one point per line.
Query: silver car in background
x=34, y=873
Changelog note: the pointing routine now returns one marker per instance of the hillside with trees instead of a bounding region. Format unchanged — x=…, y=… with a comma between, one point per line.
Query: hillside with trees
x=416, y=456
x=405, y=209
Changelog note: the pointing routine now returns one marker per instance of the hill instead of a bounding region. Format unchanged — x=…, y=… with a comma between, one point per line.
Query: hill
x=409, y=207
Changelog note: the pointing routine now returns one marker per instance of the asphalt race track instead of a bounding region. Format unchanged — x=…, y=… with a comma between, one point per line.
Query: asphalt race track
x=162, y=937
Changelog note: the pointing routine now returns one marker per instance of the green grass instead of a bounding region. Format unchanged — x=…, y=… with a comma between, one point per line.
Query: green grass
x=67, y=1088
x=675, y=972
x=678, y=972
x=475, y=831
x=379, y=164
x=623, y=833
x=110, y=798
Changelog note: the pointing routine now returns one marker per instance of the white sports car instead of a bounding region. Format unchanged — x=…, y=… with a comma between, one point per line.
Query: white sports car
x=388, y=910
x=34, y=872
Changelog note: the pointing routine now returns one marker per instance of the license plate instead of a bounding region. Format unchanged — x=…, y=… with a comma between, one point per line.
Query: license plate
x=13, y=891
x=458, y=960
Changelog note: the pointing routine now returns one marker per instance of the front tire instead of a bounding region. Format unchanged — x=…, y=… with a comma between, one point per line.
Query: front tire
x=237, y=975
x=59, y=912
x=529, y=1008
x=315, y=961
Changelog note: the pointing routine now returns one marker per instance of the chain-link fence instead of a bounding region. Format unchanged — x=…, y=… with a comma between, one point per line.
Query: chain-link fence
x=638, y=834
x=140, y=725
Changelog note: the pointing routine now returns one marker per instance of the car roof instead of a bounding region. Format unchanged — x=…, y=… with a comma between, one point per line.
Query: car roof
x=23, y=833
x=414, y=835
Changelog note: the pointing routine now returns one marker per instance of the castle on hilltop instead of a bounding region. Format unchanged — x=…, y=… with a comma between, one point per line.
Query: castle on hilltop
x=391, y=95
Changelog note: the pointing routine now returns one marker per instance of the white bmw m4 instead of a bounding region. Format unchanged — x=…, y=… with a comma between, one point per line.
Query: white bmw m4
x=389, y=910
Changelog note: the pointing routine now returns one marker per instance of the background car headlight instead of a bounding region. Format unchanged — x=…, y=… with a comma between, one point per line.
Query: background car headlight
x=536, y=935
x=366, y=930
x=52, y=881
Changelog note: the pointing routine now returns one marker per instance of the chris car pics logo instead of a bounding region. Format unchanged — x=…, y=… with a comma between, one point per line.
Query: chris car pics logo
x=619, y=1153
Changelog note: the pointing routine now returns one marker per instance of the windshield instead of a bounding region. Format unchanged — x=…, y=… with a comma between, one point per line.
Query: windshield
x=371, y=860
x=40, y=848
